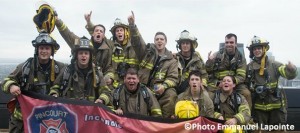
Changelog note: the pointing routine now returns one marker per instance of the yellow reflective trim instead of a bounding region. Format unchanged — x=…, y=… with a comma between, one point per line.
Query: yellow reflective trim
x=146, y=65
x=222, y=74
x=269, y=107
x=212, y=84
x=90, y=98
x=204, y=82
x=241, y=72
x=156, y=111
x=160, y=75
x=115, y=84
x=237, y=80
x=105, y=98
x=217, y=115
x=240, y=117
x=170, y=83
x=53, y=92
x=7, y=84
x=281, y=70
x=272, y=85
x=117, y=59
x=149, y=66
x=55, y=87
x=17, y=114
x=186, y=75
x=131, y=61
x=62, y=27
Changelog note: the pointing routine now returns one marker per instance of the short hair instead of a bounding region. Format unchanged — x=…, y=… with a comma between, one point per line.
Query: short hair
x=161, y=33
x=131, y=71
x=231, y=35
x=196, y=73
x=100, y=26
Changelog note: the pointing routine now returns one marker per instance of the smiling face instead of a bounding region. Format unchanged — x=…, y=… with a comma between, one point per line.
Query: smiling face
x=195, y=83
x=230, y=45
x=83, y=58
x=131, y=82
x=258, y=51
x=44, y=53
x=120, y=34
x=228, y=84
x=98, y=34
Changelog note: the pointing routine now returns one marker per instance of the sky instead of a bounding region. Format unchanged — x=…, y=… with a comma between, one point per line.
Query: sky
x=277, y=21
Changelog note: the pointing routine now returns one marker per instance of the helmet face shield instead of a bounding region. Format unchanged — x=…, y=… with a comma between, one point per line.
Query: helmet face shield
x=44, y=39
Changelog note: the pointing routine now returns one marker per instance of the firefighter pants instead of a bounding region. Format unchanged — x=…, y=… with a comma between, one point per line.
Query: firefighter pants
x=273, y=117
x=15, y=125
x=167, y=102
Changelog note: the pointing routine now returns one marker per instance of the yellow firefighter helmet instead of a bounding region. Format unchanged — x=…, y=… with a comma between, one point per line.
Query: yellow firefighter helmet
x=45, y=18
x=186, y=109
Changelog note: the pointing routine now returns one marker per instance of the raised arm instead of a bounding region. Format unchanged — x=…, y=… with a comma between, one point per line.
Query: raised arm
x=137, y=40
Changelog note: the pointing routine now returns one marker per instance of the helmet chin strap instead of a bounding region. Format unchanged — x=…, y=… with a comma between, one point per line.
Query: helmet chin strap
x=263, y=62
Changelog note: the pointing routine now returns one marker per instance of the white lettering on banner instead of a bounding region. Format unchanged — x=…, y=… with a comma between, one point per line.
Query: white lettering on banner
x=52, y=113
x=99, y=118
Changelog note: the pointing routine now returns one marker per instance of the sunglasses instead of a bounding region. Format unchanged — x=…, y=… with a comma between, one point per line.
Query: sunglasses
x=231, y=42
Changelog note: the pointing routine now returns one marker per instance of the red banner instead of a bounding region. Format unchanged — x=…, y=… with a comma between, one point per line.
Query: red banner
x=48, y=114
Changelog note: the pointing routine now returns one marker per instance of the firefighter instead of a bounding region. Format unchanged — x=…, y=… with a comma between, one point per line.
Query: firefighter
x=263, y=73
x=102, y=46
x=196, y=92
x=227, y=61
x=188, y=60
x=134, y=97
x=37, y=74
x=123, y=54
x=81, y=80
x=157, y=69
x=230, y=105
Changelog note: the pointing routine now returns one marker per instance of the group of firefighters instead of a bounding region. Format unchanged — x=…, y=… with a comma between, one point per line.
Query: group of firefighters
x=131, y=76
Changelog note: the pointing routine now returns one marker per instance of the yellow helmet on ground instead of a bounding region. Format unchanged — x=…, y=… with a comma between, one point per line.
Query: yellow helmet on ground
x=233, y=129
x=186, y=109
x=45, y=18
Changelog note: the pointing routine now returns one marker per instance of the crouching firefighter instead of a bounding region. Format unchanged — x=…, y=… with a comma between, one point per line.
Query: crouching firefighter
x=81, y=80
x=230, y=105
x=36, y=74
x=134, y=97
x=262, y=76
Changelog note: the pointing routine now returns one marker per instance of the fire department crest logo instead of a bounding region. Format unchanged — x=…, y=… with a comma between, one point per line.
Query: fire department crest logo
x=52, y=119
